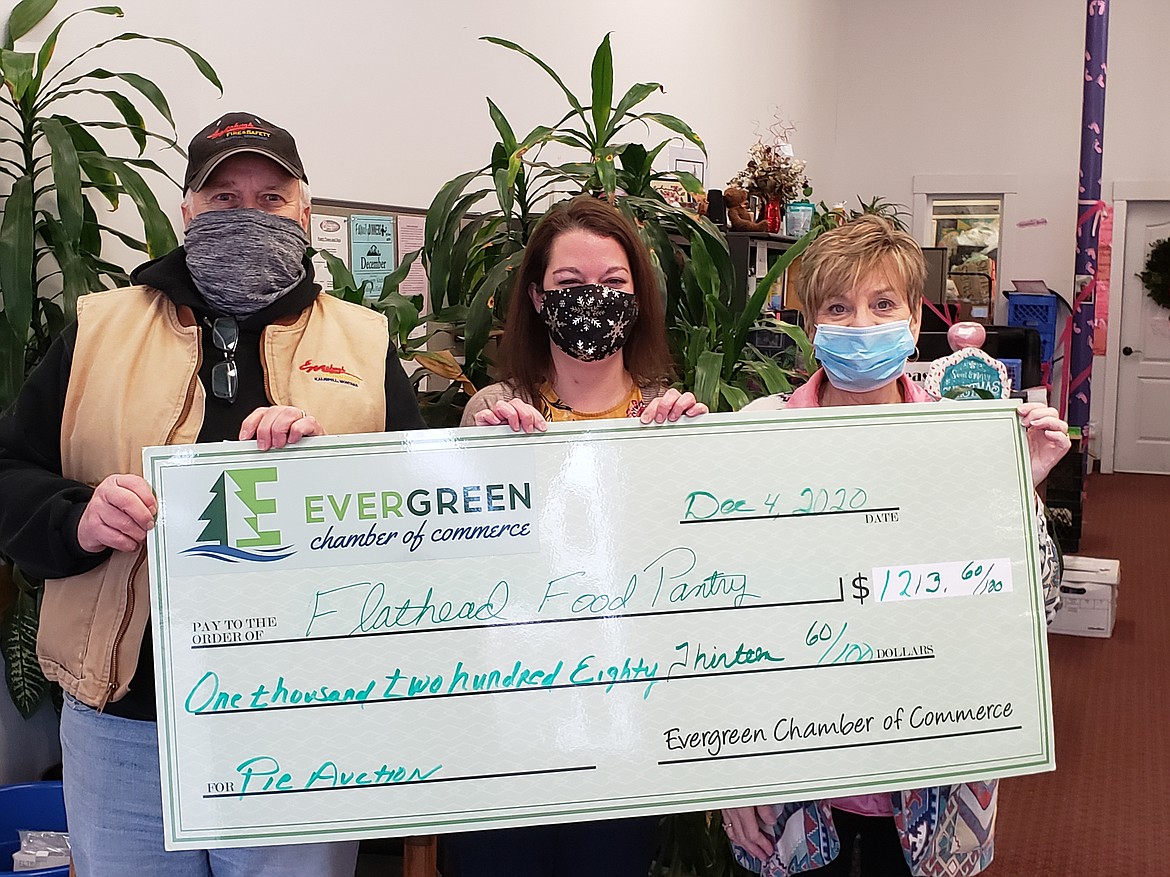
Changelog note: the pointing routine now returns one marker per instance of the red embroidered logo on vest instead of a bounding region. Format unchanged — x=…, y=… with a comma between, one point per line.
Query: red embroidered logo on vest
x=331, y=373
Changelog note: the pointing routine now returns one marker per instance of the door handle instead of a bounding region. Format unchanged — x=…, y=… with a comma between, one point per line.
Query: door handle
x=1128, y=351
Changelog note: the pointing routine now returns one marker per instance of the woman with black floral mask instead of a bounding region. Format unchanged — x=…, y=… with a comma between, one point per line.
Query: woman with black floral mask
x=585, y=336
x=585, y=339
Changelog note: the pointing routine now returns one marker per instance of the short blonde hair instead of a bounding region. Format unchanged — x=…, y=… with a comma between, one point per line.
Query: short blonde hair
x=835, y=262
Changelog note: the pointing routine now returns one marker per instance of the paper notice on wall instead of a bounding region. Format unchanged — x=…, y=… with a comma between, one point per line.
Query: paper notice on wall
x=328, y=234
x=1104, y=266
x=372, y=248
x=411, y=231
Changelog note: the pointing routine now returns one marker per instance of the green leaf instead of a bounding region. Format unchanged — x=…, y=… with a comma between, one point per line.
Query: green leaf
x=689, y=181
x=707, y=378
x=18, y=641
x=11, y=363
x=150, y=165
x=143, y=85
x=50, y=44
x=578, y=141
x=344, y=285
x=607, y=173
x=26, y=15
x=90, y=242
x=698, y=341
x=469, y=239
x=959, y=392
x=443, y=254
x=440, y=209
x=16, y=257
x=774, y=378
x=796, y=333
x=205, y=69
x=536, y=135
x=480, y=312
x=505, y=194
x=160, y=235
x=125, y=107
x=401, y=314
x=55, y=318
x=704, y=268
x=66, y=177
x=170, y=142
x=394, y=279
x=637, y=93
x=602, y=81
x=77, y=271
x=678, y=126
x=507, y=136
x=131, y=242
x=18, y=72
x=508, y=44
x=732, y=395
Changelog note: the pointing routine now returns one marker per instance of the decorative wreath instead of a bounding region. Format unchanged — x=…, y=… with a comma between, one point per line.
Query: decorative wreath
x=1156, y=277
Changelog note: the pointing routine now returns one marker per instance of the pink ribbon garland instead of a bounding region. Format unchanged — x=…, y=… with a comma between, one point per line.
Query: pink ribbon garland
x=1093, y=212
x=942, y=315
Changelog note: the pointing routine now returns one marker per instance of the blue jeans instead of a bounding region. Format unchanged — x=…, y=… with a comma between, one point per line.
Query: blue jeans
x=113, y=798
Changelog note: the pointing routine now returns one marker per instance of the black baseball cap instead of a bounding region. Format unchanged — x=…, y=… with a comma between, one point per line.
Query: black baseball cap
x=235, y=133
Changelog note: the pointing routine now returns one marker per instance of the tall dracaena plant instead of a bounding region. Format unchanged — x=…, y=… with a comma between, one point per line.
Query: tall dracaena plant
x=51, y=233
x=53, y=169
x=470, y=259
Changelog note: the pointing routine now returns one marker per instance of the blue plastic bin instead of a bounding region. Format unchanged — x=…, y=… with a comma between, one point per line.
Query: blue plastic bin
x=36, y=806
x=1036, y=311
x=1015, y=370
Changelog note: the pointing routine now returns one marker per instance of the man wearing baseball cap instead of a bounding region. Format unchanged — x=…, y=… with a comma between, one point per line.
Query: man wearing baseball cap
x=217, y=340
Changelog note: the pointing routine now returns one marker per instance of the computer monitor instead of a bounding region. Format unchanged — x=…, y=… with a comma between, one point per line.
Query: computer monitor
x=936, y=274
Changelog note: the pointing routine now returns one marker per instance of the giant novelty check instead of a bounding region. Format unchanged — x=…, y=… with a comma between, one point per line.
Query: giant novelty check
x=421, y=632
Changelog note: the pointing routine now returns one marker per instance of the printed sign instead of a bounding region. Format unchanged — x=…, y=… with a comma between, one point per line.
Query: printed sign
x=371, y=241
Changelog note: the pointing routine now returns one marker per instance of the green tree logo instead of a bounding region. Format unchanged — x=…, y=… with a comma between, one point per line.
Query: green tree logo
x=216, y=514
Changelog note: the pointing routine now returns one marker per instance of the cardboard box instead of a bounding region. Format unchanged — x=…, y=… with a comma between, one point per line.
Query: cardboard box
x=1088, y=596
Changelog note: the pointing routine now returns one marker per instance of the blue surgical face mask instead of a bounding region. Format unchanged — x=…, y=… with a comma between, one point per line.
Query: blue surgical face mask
x=862, y=358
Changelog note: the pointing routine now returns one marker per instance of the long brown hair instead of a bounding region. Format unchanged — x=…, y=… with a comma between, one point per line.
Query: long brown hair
x=524, y=356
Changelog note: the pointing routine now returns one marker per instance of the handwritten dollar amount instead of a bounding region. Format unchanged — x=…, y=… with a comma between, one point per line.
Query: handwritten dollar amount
x=959, y=578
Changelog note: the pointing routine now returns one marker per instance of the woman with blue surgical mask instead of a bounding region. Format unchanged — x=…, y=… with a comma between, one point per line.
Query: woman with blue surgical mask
x=860, y=289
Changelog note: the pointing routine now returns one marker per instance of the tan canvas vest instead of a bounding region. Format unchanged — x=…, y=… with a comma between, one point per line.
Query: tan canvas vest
x=134, y=383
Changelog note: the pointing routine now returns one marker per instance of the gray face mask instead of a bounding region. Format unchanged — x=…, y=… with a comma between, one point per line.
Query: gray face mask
x=243, y=260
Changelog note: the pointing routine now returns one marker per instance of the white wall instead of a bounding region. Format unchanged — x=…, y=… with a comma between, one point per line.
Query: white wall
x=1137, y=105
x=387, y=100
x=990, y=88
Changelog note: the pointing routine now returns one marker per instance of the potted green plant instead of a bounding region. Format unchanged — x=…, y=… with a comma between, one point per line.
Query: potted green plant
x=54, y=169
x=470, y=253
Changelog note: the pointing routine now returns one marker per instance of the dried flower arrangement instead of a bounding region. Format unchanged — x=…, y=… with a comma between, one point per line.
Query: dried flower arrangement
x=773, y=171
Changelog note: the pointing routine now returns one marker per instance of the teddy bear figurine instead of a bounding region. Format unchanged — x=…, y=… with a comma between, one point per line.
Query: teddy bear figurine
x=739, y=217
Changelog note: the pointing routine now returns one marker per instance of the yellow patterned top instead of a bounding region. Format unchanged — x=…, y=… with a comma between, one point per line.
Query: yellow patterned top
x=553, y=409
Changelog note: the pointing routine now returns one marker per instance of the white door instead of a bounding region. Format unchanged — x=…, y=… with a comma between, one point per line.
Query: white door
x=1143, y=386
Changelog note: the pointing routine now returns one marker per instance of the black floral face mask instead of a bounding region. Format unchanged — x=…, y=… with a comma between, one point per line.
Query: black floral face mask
x=589, y=322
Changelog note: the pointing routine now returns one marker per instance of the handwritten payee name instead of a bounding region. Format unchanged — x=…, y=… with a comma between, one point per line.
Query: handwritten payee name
x=672, y=579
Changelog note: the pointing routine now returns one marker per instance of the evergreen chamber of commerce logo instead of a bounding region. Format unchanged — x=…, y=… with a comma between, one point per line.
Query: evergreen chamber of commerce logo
x=233, y=531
